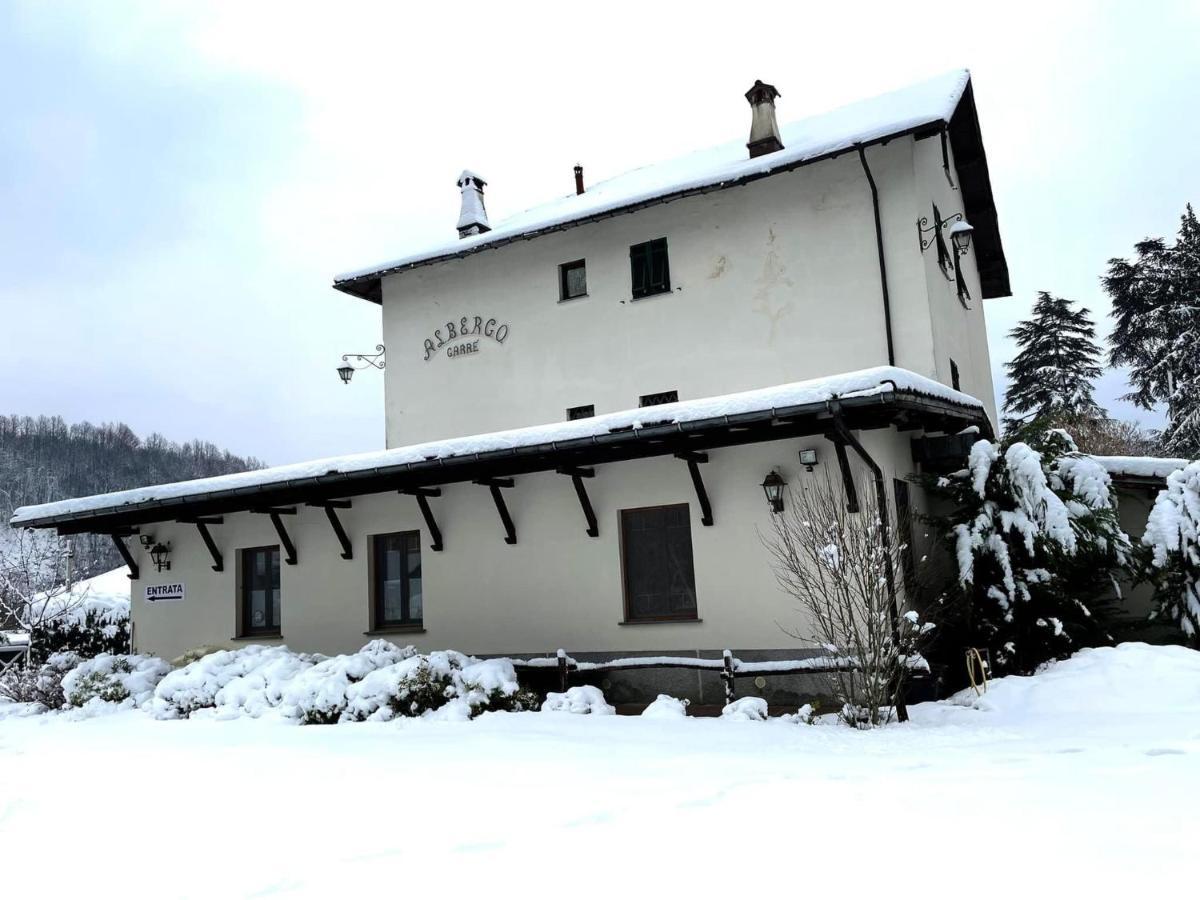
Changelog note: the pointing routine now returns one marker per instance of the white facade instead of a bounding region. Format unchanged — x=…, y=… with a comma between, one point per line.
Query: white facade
x=771, y=283
x=775, y=277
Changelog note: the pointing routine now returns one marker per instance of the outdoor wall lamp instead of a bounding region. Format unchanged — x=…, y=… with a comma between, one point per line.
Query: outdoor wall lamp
x=808, y=458
x=159, y=554
x=346, y=370
x=773, y=486
x=960, y=231
x=147, y=541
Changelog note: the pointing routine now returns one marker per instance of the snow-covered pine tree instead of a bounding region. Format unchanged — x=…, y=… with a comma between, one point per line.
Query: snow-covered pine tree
x=1035, y=534
x=1156, y=305
x=1051, y=376
x=1173, y=537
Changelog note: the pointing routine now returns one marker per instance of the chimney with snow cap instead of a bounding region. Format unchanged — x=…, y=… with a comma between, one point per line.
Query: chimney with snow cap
x=472, y=219
x=764, y=131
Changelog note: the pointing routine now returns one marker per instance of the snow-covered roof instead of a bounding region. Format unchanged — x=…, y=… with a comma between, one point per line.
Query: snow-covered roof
x=866, y=383
x=867, y=121
x=1158, y=467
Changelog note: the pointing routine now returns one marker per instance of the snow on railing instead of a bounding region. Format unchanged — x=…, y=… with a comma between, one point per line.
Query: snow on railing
x=729, y=667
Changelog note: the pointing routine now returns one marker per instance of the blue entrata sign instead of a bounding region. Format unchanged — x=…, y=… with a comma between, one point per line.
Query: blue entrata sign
x=465, y=336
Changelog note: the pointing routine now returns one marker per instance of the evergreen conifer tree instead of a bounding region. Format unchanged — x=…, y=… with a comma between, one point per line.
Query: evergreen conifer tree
x=1038, y=547
x=1156, y=305
x=1051, y=376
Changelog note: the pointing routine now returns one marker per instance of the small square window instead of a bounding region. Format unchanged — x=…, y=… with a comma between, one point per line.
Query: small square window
x=649, y=270
x=658, y=399
x=572, y=280
x=580, y=412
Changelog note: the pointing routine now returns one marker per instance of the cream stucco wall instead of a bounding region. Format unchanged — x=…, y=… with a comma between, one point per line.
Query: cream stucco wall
x=773, y=282
x=555, y=588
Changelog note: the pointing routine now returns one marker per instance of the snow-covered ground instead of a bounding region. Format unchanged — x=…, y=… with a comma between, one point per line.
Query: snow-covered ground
x=1082, y=781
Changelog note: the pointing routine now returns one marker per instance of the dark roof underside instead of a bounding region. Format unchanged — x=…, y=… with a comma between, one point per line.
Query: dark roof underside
x=904, y=409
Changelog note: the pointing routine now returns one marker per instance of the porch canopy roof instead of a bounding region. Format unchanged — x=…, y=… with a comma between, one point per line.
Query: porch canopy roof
x=865, y=399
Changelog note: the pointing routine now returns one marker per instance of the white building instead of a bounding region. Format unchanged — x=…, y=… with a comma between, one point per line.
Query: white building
x=685, y=329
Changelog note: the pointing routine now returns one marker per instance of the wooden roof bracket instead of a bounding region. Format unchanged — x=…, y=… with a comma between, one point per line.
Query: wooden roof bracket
x=134, y=572
x=289, y=548
x=494, y=485
x=331, y=507
x=202, y=524
x=693, y=460
x=577, y=475
x=423, y=495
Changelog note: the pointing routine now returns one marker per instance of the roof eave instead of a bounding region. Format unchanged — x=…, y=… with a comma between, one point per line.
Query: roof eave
x=369, y=286
x=872, y=410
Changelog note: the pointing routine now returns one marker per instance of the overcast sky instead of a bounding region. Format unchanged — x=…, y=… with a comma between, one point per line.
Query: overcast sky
x=179, y=183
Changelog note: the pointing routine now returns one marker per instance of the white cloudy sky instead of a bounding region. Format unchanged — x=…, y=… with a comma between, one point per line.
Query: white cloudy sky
x=179, y=181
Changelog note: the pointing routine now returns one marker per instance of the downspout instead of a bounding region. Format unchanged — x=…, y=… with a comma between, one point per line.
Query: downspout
x=883, y=281
x=844, y=434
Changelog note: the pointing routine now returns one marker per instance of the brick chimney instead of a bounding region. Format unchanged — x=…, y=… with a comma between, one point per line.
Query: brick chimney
x=764, y=131
x=472, y=219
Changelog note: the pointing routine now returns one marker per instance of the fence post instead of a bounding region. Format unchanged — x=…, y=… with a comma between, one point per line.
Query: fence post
x=562, y=670
x=727, y=676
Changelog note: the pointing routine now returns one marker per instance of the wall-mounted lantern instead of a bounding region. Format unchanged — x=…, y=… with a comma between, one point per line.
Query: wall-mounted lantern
x=960, y=231
x=773, y=486
x=960, y=234
x=808, y=458
x=159, y=554
x=346, y=370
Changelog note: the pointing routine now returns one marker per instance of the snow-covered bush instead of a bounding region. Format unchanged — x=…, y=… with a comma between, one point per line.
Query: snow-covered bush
x=582, y=700
x=108, y=678
x=319, y=695
x=746, y=709
x=666, y=707
x=249, y=680
x=805, y=715
x=449, y=683
x=1173, y=538
x=844, y=568
x=38, y=684
x=1038, y=547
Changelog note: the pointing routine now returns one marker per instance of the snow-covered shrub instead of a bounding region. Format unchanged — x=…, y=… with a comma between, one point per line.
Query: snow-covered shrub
x=1173, y=539
x=443, y=684
x=666, y=707
x=38, y=684
x=1038, y=547
x=746, y=709
x=109, y=678
x=247, y=681
x=319, y=695
x=803, y=716
x=581, y=700
x=844, y=568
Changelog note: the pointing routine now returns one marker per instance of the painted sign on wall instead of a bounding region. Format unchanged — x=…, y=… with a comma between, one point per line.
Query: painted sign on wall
x=164, y=593
x=465, y=336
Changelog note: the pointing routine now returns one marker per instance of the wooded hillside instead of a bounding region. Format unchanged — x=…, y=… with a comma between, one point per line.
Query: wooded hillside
x=43, y=458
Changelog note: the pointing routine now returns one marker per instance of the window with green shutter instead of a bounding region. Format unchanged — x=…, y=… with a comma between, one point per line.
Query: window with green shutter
x=649, y=268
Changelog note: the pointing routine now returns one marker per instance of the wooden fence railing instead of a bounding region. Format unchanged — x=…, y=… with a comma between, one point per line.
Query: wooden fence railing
x=728, y=667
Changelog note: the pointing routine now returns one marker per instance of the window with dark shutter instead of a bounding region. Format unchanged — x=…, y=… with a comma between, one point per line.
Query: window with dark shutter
x=572, y=280
x=656, y=554
x=396, y=589
x=260, y=590
x=650, y=270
